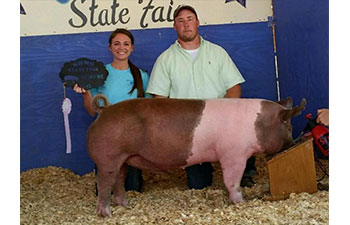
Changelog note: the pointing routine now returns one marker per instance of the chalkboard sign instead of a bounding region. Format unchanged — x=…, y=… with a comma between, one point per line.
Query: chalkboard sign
x=85, y=72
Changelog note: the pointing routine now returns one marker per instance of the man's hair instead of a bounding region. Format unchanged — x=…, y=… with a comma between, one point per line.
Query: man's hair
x=182, y=7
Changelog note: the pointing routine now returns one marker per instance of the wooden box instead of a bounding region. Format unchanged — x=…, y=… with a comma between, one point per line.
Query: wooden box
x=293, y=171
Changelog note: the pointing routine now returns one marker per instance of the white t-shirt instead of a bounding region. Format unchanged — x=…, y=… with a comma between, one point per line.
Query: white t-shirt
x=193, y=52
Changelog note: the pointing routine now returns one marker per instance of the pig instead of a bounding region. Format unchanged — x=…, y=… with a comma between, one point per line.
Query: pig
x=161, y=134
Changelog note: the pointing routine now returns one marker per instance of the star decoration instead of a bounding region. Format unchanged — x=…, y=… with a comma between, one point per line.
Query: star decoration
x=242, y=2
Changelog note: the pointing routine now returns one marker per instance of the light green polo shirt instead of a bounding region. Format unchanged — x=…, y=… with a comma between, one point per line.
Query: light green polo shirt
x=176, y=75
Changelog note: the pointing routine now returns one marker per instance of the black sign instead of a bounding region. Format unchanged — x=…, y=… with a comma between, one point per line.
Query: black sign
x=85, y=72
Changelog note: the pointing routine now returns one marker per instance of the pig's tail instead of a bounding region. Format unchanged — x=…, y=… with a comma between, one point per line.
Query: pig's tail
x=99, y=102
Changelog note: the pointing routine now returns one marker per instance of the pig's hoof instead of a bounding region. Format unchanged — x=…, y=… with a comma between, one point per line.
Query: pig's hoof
x=104, y=211
x=120, y=201
x=237, y=198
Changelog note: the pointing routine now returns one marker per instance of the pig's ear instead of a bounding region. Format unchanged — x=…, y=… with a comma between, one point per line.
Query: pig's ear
x=287, y=114
x=297, y=110
x=288, y=102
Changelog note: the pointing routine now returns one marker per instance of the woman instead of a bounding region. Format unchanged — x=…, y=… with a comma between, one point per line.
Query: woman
x=124, y=81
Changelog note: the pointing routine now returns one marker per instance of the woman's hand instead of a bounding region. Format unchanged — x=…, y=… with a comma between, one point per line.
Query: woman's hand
x=78, y=89
x=87, y=98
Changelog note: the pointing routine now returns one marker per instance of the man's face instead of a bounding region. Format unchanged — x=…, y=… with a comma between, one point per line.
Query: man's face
x=186, y=25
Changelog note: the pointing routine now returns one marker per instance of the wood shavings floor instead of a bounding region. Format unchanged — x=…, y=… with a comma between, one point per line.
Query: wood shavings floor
x=58, y=196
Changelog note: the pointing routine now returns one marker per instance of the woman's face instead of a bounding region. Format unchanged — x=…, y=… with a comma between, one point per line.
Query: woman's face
x=121, y=47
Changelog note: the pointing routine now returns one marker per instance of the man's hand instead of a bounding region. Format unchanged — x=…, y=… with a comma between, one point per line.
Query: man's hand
x=323, y=116
x=159, y=96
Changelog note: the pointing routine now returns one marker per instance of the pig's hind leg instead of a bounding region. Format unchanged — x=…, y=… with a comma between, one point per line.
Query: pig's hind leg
x=232, y=173
x=118, y=188
x=106, y=179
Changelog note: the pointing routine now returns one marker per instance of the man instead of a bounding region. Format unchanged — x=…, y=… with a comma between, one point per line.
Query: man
x=198, y=69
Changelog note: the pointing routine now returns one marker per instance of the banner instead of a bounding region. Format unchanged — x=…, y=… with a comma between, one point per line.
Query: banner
x=48, y=17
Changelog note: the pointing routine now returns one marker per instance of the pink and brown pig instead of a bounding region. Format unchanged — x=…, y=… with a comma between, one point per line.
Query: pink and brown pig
x=161, y=134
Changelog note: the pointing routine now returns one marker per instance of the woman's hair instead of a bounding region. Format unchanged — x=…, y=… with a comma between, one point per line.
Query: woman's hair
x=134, y=70
x=121, y=31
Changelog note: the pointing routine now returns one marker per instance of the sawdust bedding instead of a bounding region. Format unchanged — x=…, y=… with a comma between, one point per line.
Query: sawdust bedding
x=55, y=195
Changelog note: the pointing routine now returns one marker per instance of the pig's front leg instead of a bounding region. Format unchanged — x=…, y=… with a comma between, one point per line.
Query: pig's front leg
x=232, y=172
x=118, y=188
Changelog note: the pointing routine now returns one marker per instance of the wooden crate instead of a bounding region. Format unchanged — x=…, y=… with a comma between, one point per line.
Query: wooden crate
x=293, y=171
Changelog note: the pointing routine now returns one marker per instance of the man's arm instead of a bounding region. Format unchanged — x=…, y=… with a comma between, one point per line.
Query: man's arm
x=234, y=92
